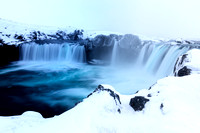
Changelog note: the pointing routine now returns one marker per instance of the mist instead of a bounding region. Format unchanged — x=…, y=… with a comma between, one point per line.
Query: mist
x=151, y=18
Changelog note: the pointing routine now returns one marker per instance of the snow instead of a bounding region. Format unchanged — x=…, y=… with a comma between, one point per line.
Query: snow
x=8, y=30
x=189, y=60
x=180, y=97
x=193, y=60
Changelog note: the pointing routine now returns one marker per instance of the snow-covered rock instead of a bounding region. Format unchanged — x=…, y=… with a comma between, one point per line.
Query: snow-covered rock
x=13, y=33
x=188, y=63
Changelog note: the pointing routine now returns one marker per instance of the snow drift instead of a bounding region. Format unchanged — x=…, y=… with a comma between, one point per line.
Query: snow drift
x=188, y=63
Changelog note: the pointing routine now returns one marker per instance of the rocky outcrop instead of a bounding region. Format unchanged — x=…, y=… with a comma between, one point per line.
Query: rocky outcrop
x=101, y=88
x=129, y=41
x=138, y=103
x=112, y=94
x=13, y=33
x=188, y=63
x=101, y=48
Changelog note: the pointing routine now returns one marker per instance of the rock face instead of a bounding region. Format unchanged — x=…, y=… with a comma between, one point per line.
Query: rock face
x=188, y=63
x=138, y=103
x=101, y=48
x=111, y=92
x=8, y=53
x=129, y=41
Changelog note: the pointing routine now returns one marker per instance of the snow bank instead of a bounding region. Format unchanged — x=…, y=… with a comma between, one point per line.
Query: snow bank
x=188, y=63
x=13, y=33
x=173, y=107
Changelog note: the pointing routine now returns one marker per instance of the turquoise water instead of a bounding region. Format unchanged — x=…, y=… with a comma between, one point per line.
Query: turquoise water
x=51, y=84
x=52, y=88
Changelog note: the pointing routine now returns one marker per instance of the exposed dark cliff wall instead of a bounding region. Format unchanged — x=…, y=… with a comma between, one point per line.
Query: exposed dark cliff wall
x=8, y=53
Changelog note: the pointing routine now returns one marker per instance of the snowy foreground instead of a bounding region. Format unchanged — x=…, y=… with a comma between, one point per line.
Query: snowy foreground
x=172, y=106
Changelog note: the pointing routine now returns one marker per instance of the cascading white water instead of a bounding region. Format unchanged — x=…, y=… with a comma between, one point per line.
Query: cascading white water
x=53, y=52
x=114, y=52
x=157, y=59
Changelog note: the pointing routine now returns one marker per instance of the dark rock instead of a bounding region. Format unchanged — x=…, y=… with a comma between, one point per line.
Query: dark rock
x=184, y=71
x=178, y=42
x=76, y=35
x=188, y=42
x=149, y=95
x=180, y=69
x=161, y=106
x=19, y=37
x=136, y=92
x=115, y=96
x=61, y=35
x=101, y=47
x=112, y=93
x=183, y=58
x=138, y=103
x=8, y=35
x=1, y=41
x=119, y=110
x=33, y=35
x=8, y=53
x=152, y=86
x=103, y=40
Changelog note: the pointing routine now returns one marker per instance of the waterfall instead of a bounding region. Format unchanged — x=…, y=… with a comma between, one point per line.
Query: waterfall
x=53, y=52
x=114, y=53
x=157, y=59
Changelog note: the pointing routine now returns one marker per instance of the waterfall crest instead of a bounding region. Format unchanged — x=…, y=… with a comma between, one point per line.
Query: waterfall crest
x=53, y=52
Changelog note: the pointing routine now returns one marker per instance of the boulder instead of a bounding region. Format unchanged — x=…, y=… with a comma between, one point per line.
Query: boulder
x=138, y=103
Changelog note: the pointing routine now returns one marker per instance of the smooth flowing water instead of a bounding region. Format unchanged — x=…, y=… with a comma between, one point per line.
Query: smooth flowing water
x=52, y=78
